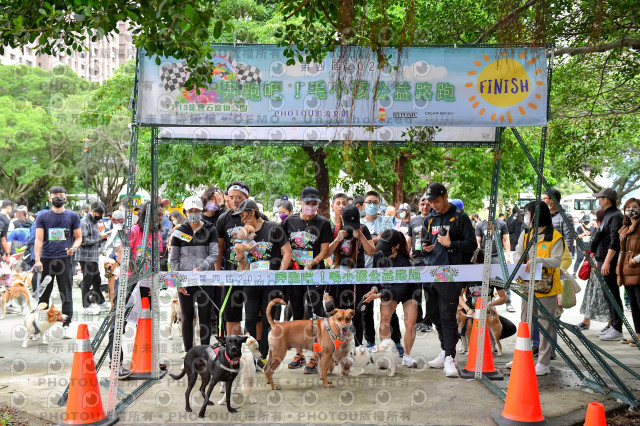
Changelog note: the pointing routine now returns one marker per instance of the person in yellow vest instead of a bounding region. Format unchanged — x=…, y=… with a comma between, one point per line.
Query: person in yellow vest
x=550, y=247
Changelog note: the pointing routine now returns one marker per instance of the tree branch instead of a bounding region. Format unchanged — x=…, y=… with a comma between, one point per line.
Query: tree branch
x=505, y=20
x=633, y=43
x=590, y=182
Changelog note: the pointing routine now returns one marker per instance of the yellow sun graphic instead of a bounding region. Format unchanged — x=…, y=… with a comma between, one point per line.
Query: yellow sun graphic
x=504, y=83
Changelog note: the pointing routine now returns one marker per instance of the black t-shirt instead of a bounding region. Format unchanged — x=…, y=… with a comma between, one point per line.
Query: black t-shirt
x=474, y=290
x=227, y=227
x=4, y=225
x=307, y=237
x=345, y=248
x=381, y=261
x=213, y=219
x=267, y=253
x=415, y=232
x=481, y=231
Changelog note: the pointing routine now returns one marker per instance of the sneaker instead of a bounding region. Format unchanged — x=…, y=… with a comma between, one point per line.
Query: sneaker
x=510, y=308
x=312, y=367
x=426, y=328
x=260, y=363
x=450, y=367
x=534, y=350
x=409, y=362
x=66, y=332
x=604, y=331
x=371, y=345
x=105, y=307
x=582, y=326
x=542, y=369
x=12, y=310
x=91, y=310
x=400, y=349
x=124, y=373
x=611, y=335
x=509, y=364
x=298, y=361
x=438, y=362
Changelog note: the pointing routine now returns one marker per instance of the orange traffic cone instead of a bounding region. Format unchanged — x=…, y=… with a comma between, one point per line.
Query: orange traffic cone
x=84, y=404
x=141, y=360
x=522, y=406
x=488, y=368
x=595, y=415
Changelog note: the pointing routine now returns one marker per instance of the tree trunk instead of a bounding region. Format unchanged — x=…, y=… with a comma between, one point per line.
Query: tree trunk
x=399, y=165
x=318, y=156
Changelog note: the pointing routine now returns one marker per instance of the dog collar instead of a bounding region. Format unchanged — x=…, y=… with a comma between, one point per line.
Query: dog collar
x=214, y=352
x=336, y=342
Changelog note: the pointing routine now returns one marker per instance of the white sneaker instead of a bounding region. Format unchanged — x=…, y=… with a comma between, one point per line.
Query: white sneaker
x=105, y=307
x=611, y=335
x=409, y=362
x=542, y=369
x=450, y=367
x=604, y=331
x=438, y=362
x=12, y=310
x=66, y=332
x=509, y=364
x=91, y=310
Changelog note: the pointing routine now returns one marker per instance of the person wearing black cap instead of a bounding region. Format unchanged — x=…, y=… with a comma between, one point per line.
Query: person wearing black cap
x=227, y=228
x=272, y=252
x=447, y=235
x=393, y=253
x=605, y=247
x=351, y=242
x=309, y=235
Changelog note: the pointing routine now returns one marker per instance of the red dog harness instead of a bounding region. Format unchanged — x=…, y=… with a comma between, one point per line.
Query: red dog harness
x=213, y=353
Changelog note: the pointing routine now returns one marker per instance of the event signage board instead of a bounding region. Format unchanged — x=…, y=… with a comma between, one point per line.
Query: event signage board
x=422, y=274
x=426, y=86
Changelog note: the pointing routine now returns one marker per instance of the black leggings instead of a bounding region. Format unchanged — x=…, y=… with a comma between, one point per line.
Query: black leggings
x=258, y=297
x=202, y=296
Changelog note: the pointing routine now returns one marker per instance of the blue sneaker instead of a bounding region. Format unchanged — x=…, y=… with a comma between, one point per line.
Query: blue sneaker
x=371, y=345
x=400, y=349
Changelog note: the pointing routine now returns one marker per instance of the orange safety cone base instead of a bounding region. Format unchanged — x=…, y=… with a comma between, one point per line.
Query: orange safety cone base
x=143, y=376
x=501, y=421
x=104, y=422
x=492, y=375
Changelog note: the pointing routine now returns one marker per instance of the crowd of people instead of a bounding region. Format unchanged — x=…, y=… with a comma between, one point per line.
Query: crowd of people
x=359, y=233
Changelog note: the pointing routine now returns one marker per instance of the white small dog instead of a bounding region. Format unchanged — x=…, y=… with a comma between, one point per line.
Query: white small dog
x=40, y=321
x=384, y=356
x=247, y=376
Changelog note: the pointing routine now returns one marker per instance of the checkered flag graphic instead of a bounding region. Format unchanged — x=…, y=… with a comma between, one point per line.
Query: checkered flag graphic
x=247, y=73
x=173, y=76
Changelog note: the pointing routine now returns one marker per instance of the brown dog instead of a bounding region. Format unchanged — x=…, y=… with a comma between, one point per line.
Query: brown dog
x=495, y=330
x=18, y=292
x=299, y=334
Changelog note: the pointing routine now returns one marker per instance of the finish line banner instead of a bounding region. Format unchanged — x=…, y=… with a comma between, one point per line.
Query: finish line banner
x=423, y=274
x=432, y=86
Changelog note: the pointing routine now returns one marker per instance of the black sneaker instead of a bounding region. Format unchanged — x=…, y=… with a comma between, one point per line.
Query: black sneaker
x=260, y=363
x=312, y=367
x=426, y=328
x=583, y=326
x=298, y=361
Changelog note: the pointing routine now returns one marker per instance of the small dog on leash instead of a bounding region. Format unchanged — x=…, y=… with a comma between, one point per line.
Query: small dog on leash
x=176, y=316
x=214, y=364
x=247, y=374
x=493, y=323
x=383, y=357
x=39, y=321
x=17, y=293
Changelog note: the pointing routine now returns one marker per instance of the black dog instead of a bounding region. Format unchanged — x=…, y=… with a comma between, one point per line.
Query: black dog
x=219, y=362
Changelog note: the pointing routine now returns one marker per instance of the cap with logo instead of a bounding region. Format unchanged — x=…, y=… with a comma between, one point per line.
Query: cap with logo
x=586, y=218
x=435, y=190
x=404, y=207
x=609, y=193
x=350, y=218
x=309, y=194
x=245, y=206
x=389, y=239
x=192, y=202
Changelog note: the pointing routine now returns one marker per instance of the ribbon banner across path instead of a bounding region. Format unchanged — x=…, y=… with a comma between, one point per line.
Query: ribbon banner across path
x=422, y=274
x=426, y=86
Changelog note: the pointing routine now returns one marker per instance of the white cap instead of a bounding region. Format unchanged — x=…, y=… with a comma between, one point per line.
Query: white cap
x=192, y=202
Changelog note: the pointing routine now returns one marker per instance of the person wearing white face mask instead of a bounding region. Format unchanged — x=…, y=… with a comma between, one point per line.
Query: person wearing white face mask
x=403, y=216
x=194, y=247
x=605, y=248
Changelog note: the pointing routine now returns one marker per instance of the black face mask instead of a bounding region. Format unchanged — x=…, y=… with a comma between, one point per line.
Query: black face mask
x=58, y=201
x=96, y=218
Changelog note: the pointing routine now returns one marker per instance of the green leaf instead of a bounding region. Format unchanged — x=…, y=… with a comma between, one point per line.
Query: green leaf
x=217, y=30
x=158, y=61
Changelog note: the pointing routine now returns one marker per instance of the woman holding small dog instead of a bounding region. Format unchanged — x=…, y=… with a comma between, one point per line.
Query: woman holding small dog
x=550, y=247
x=393, y=253
x=194, y=247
